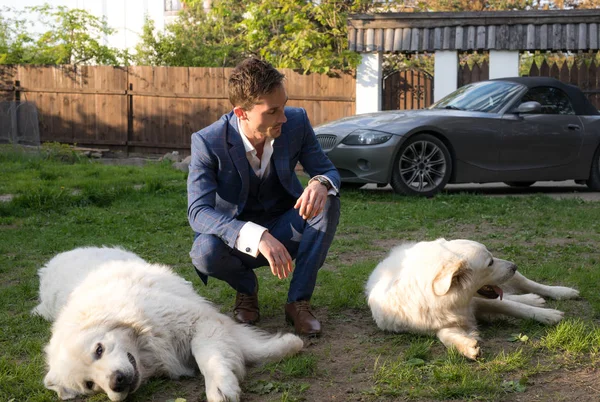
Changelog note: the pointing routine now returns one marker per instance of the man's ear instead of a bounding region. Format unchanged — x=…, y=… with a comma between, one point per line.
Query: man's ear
x=240, y=113
x=452, y=271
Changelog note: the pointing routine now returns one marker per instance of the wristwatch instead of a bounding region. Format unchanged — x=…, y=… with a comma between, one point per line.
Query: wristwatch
x=323, y=181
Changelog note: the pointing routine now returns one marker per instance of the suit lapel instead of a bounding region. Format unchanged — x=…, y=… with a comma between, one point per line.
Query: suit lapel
x=237, y=152
x=281, y=156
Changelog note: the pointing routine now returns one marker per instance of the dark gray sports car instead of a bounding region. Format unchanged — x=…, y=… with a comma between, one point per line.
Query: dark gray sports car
x=512, y=130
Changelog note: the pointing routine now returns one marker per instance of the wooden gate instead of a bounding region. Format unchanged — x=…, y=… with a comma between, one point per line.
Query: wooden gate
x=407, y=89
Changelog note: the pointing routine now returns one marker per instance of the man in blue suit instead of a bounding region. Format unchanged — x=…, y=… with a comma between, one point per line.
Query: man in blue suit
x=246, y=205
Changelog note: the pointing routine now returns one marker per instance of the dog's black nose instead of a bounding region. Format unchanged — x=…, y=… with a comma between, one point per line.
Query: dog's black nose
x=119, y=382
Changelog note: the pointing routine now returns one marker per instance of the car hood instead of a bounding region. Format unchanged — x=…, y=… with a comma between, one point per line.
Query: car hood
x=393, y=121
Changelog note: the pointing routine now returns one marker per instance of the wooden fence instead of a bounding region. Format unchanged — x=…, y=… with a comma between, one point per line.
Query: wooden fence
x=151, y=109
x=586, y=77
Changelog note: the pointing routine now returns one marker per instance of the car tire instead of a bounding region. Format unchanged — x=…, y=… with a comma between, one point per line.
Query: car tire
x=593, y=182
x=519, y=184
x=422, y=166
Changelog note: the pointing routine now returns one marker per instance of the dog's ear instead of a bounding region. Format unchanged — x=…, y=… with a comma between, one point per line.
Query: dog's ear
x=453, y=271
x=53, y=384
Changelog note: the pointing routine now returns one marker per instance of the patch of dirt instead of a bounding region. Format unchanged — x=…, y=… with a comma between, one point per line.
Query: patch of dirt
x=346, y=361
x=581, y=385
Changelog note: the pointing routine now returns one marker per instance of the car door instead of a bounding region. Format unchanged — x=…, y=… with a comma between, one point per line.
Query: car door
x=549, y=139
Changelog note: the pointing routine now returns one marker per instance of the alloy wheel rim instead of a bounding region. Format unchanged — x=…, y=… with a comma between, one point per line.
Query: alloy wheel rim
x=422, y=166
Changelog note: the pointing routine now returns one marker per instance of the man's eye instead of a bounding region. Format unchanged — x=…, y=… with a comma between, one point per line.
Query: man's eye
x=89, y=385
x=99, y=350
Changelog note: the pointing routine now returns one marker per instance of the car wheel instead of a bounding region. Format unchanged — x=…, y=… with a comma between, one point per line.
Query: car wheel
x=422, y=167
x=593, y=182
x=351, y=186
x=521, y=184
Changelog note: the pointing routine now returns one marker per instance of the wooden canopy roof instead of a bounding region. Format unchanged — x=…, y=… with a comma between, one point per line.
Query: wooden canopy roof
x=555, y=30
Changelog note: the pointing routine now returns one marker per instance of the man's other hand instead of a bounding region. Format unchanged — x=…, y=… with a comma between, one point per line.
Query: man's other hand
x=312, y=201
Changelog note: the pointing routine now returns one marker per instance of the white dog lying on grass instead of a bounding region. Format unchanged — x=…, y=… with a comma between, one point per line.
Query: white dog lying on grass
x=440, y=287
x=121, y=320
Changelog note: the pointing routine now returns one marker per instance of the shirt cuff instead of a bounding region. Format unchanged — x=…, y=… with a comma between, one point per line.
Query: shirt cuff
x=333, y=190
x=249, y=238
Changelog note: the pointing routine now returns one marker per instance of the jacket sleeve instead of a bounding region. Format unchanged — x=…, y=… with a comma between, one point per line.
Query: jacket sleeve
x=202, y=185
x=313, y=159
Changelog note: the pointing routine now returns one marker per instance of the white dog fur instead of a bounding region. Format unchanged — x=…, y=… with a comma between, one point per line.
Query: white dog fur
x=120, y=320
x=431, y=287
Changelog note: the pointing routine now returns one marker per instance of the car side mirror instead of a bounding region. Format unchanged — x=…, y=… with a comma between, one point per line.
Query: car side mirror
x=531, y=107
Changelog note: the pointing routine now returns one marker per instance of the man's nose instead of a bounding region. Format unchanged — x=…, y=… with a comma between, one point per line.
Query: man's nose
x=282, y=119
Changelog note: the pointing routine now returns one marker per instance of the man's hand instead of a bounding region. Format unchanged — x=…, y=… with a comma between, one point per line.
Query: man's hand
x=312, y=201
x=276, y=254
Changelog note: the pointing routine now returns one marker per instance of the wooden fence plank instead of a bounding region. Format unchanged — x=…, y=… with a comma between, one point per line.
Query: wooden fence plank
x=91, y=104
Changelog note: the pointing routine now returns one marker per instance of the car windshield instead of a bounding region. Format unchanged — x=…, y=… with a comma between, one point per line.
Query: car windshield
x=487, y=96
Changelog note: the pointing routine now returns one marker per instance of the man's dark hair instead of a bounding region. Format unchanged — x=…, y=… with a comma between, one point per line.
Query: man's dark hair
x=250, y=80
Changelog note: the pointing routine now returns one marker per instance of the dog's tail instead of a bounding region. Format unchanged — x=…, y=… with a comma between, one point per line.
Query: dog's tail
x=259, y=346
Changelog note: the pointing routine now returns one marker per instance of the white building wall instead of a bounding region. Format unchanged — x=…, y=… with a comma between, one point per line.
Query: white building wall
x=445, y=73
x=504, y=63
x=368, y=83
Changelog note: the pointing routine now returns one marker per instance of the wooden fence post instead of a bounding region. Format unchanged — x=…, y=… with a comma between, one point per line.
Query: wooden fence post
x=129, y=117
x=14, y=129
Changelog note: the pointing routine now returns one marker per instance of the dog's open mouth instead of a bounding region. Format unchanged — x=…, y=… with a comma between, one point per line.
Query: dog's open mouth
x=135, y=383
x=491, y=292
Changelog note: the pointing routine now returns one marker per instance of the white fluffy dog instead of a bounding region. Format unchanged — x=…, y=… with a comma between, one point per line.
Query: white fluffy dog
x=440, y=287
x=120, y=320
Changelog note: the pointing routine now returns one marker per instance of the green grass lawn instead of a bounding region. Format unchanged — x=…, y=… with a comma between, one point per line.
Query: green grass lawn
x=62, y=201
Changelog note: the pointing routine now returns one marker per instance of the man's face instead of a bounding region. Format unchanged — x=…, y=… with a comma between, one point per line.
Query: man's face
x=264, y=120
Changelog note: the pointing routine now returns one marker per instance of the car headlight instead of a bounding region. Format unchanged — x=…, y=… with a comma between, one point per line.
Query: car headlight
x=366, y=137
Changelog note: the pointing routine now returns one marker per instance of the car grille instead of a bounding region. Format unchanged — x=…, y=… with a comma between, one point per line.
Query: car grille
x=327, y=141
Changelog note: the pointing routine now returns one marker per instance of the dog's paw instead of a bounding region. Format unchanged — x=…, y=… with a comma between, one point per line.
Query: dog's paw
x=532, y=300
x=223, y=395
x=549, y=316
x=472, y=352
x=562, y=293
x=470, y=349
x=226, y=390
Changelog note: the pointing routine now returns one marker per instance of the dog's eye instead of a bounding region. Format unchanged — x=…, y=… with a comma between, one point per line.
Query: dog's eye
x=89, y=385
x=491, y=262
x=99, y=350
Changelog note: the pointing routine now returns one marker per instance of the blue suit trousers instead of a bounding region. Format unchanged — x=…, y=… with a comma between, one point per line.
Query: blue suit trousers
x=307, y=241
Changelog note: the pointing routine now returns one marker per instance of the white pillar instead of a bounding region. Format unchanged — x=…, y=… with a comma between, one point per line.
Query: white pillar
x=504, y=63
x=445, y=73
x=368, y=83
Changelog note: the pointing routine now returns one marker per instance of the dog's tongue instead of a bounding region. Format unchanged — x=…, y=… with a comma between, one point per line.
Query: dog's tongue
x=499, y=291
x=491, y=292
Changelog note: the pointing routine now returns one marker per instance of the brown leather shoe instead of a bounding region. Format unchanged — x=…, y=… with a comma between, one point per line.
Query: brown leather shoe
x=300, y=315
x=246, y=308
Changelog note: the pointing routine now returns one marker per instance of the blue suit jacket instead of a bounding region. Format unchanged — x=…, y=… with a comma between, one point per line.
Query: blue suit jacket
x=218, y=177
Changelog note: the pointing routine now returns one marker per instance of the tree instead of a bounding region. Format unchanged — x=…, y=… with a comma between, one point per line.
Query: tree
x=14, y=40
x=196, y=38
x=71, y=36
x=298, y=34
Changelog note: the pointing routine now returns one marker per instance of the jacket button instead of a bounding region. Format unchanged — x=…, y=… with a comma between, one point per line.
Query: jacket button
x=248, y=249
